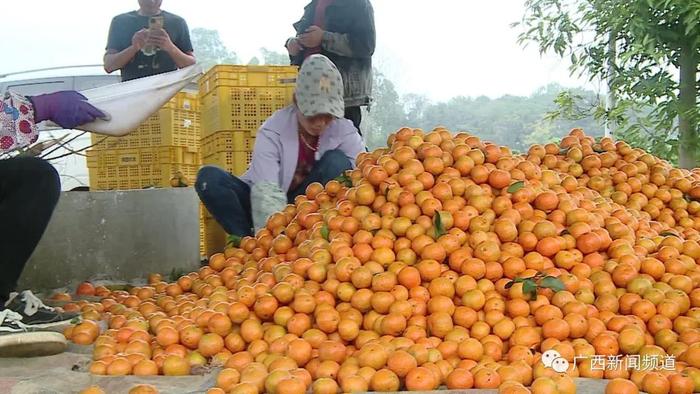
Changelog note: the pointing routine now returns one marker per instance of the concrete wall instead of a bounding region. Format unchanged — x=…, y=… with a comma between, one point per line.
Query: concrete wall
x=119, y=235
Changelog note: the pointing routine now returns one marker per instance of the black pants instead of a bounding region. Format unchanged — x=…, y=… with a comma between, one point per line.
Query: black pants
x=29, y=191
x=227, y=198
x=354, y=114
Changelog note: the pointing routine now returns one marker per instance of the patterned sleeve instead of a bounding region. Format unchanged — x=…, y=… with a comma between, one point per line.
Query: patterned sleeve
x=17, y=127
x=337, y=43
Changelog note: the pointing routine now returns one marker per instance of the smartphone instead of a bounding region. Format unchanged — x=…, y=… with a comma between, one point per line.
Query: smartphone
x=155, y=22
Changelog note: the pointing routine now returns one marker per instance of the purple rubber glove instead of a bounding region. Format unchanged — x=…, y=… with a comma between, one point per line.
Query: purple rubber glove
x=66, y=108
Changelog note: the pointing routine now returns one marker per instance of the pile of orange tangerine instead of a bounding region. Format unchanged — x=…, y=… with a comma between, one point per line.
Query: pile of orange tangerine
x=410, y=274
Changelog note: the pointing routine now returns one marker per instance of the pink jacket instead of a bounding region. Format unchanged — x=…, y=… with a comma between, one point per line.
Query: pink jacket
x=276, y=148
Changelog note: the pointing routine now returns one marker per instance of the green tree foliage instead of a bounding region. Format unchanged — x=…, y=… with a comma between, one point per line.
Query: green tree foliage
x=415, y=106
x=386, y=115
x=514, y=121
x=274, y=58
x=209, y=50
x=646, y=50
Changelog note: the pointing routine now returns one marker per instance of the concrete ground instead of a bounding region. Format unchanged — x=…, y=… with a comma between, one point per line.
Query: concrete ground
x=67, y=374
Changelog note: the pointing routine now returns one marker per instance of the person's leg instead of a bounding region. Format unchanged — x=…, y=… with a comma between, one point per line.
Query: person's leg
x=354, y=114
x=29, y=191
x=331, y=165
x=227, y=198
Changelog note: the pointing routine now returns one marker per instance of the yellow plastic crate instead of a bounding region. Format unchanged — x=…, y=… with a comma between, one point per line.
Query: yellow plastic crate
x=202, y=230
x=228, y=141
x=231, y=108
x=120, y=169
x=184, y=100
x=138, y=176
x=250, y=76
x=177, y=123
x=243, y=97
x=142, y=156
x=234, y=162
x=214, y=236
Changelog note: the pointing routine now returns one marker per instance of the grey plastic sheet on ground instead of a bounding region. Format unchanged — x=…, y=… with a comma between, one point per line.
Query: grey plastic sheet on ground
x=66, y=374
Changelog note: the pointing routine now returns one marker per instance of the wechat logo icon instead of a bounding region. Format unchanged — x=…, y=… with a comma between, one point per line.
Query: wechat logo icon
x=552, y=359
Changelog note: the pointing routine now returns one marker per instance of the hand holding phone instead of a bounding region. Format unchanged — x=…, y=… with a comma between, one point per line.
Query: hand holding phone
x=294, y=46
x=138, y=40
x=312, y=37
x=155, y=24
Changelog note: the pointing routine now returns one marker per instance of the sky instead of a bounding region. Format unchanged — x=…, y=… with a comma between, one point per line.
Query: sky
x=439, y=48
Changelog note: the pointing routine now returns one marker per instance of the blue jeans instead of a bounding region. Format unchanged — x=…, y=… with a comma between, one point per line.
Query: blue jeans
x=227, y=197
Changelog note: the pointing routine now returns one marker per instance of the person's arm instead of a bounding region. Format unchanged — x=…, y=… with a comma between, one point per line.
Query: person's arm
x=295, y=51
x=358, y=43
x=121, y=48
x=293, y=47
x=19, y=115
x=265, y=165
x=266, y=195
x=184, y=44
x=17, y=125
x=293, y=44
x=181, y=58
x=114, y=60
x=161, y=38
x=266, y=198
x=337, y=43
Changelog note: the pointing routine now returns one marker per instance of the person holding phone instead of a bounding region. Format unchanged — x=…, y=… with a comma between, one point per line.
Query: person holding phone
x=29, y=190
x=147, y=41
x=342, y=30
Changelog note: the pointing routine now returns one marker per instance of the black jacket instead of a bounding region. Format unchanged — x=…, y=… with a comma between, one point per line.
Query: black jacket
x=349, y=42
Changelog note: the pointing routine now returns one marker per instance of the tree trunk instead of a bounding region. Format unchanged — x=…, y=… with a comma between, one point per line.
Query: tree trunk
x=689, y=142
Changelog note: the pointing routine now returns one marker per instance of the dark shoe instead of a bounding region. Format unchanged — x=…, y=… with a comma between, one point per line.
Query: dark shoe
x=36, y=315
x=11, y=322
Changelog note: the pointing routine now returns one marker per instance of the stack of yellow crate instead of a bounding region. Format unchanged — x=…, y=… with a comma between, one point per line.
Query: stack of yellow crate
x=235, y=101
x=165, y=146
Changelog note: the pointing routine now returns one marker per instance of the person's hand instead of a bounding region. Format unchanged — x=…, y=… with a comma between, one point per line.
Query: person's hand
x=312, y=37
x=160, y=38
x=293, y=46
x=66, y=108
x=138, y=40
